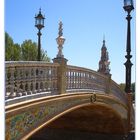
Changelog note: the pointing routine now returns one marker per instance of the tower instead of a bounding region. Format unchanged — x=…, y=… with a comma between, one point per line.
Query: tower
x=104, y=62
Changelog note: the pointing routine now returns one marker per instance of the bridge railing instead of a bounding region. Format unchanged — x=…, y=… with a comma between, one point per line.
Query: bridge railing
x=117, y=91
x=82, y=79
x=35, y=78
x=25, y=78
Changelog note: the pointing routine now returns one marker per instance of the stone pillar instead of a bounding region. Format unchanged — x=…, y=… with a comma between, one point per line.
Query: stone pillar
x=61, y=74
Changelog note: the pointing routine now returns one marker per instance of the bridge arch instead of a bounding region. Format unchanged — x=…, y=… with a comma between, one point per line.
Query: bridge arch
x=33, y=115
x=95, y=118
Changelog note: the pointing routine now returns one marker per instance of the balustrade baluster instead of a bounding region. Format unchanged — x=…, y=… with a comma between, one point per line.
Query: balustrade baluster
x=50, y=79
x=84, y=82
x=73, y=79
x=46, y=79
x=80, y=80
x=77, y=80
x=25, y=80
x=6, y=83
x=34, y=80
x=54, y=78
x=12, y=82
x=39, y=80
x=43, y=79
x=70, y=79
x=88, y=81
x=28, y=80
x=18, y=81
x=67, y=80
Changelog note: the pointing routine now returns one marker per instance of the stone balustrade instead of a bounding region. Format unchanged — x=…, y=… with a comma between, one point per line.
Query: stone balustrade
x=32, y=78
x=82, y=79
x=25, y=78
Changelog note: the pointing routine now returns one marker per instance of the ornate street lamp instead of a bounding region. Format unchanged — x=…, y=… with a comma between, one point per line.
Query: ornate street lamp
x=128, y=7
x=39, y=23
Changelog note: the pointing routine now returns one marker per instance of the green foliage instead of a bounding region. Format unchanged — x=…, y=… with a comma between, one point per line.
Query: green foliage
x=44, y=56
x=122, y=86
x=13, y=51
x=29, y=50
x=26, y=52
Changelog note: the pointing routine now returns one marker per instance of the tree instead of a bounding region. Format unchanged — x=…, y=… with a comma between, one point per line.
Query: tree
x=16, y=52
x=8, y=45
x=122, y=86
x=44, y=56
x=29, y=50
x=26, y=52
x=12, y=51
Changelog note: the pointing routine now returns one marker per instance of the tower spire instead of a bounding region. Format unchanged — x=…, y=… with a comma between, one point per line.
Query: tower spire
x=104, y=39
x=104, y=61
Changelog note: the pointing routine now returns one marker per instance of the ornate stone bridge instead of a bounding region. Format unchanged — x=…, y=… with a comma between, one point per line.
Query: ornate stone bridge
x=40, y=93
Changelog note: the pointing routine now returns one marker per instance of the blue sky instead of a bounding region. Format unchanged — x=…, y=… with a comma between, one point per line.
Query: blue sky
x=85, y=22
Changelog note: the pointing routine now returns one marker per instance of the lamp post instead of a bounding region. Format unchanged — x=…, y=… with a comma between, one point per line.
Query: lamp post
x=39, y=23
x=128, y=7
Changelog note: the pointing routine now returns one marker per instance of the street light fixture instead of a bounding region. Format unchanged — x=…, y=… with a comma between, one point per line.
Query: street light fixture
x=39, y=23
x=128, y=7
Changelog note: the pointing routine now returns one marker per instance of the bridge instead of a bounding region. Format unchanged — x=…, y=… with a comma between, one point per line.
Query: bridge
x=57, y=95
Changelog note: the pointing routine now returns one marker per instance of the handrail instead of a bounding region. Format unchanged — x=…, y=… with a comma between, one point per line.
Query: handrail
x=26, y=78
x=79, y=79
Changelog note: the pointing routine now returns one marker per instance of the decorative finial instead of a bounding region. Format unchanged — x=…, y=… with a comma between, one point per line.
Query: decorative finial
x=60, y=40
x=60, y=33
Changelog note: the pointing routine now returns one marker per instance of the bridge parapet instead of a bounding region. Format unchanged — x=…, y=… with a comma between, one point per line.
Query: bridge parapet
x=82, y=79
x=34, y=79
x=25, y=78
x=116, y=91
